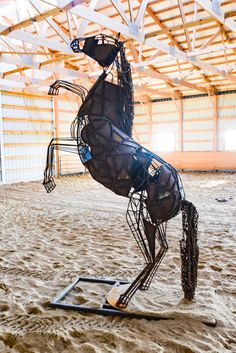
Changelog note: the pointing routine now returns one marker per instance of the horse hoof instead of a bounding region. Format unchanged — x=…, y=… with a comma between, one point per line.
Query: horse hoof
x=114, y=295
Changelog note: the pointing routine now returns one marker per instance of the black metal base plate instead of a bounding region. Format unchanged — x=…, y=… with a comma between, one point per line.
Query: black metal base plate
x=105, y=308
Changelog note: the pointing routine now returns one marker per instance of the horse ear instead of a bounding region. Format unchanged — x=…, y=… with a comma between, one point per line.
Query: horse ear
x=118, y=36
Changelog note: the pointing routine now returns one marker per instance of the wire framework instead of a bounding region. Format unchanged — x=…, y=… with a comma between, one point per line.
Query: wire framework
x=101, y=135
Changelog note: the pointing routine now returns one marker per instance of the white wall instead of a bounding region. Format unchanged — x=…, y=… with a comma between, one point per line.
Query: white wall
x=198, y=122
x=227, y=117
x=27, y=127
x=67, y=111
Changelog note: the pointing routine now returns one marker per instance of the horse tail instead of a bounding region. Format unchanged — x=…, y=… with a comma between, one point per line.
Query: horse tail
x=189, y=249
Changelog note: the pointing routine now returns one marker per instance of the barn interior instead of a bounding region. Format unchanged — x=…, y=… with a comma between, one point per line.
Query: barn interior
x=182, y=55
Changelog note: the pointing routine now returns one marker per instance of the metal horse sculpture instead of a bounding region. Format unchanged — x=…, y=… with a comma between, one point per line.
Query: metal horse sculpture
x=101, y=135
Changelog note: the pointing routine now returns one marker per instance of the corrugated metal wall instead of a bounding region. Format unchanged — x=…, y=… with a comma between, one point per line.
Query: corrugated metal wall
x=198, y=124
x=165, y=119
x=1, y=141
x=141, y=127
x=152, y=120
x=67, y=111
x=27, y=127
x=227, y=117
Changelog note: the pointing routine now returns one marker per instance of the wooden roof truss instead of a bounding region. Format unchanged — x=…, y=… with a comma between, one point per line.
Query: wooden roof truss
x=183, y=49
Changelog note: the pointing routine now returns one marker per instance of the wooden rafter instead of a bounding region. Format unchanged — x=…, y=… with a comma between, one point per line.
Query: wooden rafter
x=181, y=9
x=38, y=40
x=175, y=42
x=141, y=12
x=37, y=6
x=163, y=27
x=118, y=5
x=36, y=65
x=199, y=22
x=216, y=11
x=84, y=22
x=165, y=60
x=227, y=37
x=154, y=70
x=139, y=37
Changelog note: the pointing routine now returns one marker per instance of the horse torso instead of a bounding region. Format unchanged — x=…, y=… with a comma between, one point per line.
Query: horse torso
x=116, y=160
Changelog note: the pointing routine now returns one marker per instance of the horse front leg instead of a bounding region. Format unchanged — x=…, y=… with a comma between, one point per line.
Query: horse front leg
x=72, y=87
x=67, y=146
x=48, y=181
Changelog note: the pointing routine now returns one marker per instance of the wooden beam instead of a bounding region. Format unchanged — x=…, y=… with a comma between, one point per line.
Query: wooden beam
x=103, y=20
x=27, y=132
x=217, y=13
x=210, y=40
x=27, y=120
x=227, y=37
x=203, y=50
x=131, y=10
x=198, y=22
x=212, y=90
x=139, y=37
x=193, y=60
x=141, y=90
x=38, y=18
x=2, y=142
x=48, y=68
x=141, y=12
x=38, y=40
x=55, y=60
x=201, y=160
x=177, y=81
x=215, y=122
x=181, y=124
x=162, y=26
x=26, y=107
x=70, y=26
x=194, y=28
x=11, y=72
x=51, y=23
x=29, y=95
x=150, y=130
x=181, y=8
x=118, y=5
x=165, y=78
x=84, y=22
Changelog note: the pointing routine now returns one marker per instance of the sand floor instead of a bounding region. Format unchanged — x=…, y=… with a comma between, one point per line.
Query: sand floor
x=48, y=240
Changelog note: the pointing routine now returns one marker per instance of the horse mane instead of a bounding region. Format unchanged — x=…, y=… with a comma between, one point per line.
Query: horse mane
x=125, y=80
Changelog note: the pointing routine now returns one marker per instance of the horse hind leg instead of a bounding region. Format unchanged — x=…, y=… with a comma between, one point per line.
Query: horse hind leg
x=144, y=279
x=161, y=235
x=134, y=286
x=138, y=226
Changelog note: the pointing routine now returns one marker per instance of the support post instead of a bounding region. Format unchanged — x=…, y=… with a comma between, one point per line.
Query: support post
x=181, y=122
x=56, y=133
x=2, y=161
x=215, y=119
x=150, y=135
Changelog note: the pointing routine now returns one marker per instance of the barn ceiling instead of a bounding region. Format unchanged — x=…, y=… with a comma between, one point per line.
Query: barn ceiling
x=176, y=47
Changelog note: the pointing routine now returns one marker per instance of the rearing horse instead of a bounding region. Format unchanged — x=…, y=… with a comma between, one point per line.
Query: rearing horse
x=101, y=135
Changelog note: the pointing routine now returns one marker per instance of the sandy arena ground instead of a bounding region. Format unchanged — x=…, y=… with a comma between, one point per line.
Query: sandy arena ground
x=47, y=240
